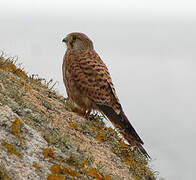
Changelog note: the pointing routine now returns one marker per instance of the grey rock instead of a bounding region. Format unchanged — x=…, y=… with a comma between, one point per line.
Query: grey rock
x=30, y=147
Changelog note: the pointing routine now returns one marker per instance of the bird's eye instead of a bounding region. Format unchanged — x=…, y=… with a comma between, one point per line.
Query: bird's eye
x=74, y=38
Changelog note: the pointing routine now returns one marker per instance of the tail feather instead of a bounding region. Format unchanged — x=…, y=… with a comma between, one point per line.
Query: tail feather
x=121, y=122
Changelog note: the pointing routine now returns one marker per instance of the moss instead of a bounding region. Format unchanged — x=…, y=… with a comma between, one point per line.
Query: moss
x=11, y=148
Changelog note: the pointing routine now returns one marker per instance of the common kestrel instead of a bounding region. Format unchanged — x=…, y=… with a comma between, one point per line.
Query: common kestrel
x=89, y=85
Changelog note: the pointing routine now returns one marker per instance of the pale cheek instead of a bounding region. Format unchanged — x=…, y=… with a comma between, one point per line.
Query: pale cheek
x=77, y=46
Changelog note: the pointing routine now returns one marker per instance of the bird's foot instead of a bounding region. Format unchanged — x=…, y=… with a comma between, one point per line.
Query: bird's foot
x=91, y=116
x=88, y=113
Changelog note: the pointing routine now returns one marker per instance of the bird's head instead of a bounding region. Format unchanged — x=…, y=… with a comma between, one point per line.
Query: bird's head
x=78, y=41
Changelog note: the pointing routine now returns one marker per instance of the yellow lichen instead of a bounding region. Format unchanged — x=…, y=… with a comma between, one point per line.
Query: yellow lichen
x=9, y=66
x=101, y=136
x=55, y=177
x=128, y=161
x=94, y=125
x=3, y=174
x=71, y=172
x=94, y=128
x=10, y=148
x=36, y=166
x=48, y=153
x=74, y=125
x=84, y=163
x=25, y=85
x=19, y=72
x=16, y=128
x=107, y=178
x=56, y=169
x=122, y=144
x=94, y=173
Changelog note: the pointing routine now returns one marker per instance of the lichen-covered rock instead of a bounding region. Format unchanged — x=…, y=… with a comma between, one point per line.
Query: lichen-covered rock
x=41, y=138
x=21, y=149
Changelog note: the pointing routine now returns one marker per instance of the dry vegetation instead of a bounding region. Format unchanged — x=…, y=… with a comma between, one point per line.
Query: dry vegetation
x=90, y=149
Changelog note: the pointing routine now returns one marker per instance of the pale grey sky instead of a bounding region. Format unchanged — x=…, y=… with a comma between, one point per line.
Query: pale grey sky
x=166, y=7
x=149, y=47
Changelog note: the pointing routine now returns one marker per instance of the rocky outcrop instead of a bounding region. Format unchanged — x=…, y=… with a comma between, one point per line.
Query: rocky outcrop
x=21, y=149
x=41, y=138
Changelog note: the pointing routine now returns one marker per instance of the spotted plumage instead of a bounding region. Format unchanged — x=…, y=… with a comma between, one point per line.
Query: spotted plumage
x=89, y=85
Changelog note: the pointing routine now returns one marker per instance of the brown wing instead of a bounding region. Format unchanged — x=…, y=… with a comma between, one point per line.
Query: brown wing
x=92, y=77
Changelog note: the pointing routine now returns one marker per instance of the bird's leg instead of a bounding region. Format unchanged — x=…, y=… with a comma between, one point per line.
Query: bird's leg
x=91, y=116
x=88, y=112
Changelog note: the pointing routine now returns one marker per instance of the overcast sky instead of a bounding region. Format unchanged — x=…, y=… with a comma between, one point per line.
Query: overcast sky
x=149, y=48
x=166, y=7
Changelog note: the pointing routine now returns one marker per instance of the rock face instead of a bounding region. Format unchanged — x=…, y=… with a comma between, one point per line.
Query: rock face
x=21, y=148
x=41, y=138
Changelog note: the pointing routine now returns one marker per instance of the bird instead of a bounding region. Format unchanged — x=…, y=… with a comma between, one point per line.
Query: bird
x=89, y=86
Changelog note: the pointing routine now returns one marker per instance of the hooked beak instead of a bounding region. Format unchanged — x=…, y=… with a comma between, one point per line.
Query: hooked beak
x=65, y=40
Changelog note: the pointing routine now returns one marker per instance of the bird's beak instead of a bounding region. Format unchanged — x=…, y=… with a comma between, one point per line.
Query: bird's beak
x=65, y=40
